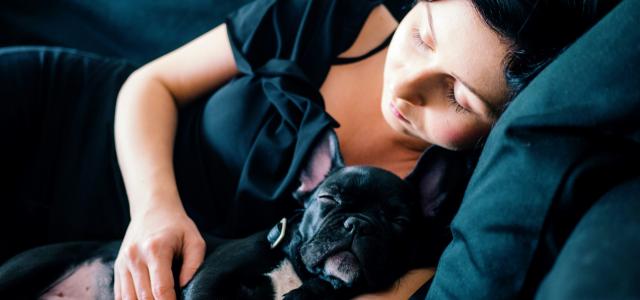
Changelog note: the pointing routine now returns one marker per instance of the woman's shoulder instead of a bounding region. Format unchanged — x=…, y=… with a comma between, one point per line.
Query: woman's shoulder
x=378, y=26
x=310, y=33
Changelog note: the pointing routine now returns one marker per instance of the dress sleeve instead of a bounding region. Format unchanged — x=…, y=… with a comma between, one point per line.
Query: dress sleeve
x=307, y=32
x=271, y=114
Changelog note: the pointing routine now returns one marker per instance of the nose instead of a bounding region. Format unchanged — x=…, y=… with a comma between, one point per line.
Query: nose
x=357, y=225
x=416, y=83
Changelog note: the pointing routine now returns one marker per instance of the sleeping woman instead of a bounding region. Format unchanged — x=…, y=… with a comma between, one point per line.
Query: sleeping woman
x=211, y=137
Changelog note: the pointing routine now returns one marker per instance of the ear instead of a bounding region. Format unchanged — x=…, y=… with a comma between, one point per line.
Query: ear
x=440, y=177
x=323, y=158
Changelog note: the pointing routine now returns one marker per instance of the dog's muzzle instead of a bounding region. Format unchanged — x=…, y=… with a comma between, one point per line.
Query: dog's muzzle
x=331, y=255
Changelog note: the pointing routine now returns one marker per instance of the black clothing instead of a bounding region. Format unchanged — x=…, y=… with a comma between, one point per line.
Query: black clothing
x=233, y=177
x=350, y=60
x=237, y=153
x=237, y=176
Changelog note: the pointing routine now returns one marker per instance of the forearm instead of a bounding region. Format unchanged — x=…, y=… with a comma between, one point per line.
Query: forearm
x=145, y=125
x=404, y=287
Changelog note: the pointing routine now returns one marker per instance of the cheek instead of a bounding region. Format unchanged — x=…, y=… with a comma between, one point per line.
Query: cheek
x=399, y=52
x=393, y=62
x=310, y=221
x=460, y=135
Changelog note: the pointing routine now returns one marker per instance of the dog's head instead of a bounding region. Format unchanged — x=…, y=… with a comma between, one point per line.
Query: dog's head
x=356, y=227
x=361, y=226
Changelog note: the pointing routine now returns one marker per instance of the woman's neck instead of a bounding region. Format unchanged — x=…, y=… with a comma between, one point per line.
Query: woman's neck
x=352, y=94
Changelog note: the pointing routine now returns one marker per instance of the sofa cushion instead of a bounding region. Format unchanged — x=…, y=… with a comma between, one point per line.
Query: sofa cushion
x=570, y=136
x=138, y=30
x=594, y=263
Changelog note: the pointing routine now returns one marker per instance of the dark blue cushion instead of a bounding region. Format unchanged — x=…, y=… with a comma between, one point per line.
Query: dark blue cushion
x=600, y=258
x=568, y=138
x=138, y=30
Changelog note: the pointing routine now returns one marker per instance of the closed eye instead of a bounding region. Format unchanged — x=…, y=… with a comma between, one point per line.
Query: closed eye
x=327, y=198
x=451, y=97
x=418, y=41
x=401, y=221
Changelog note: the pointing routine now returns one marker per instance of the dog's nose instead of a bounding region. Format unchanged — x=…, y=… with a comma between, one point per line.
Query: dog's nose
x=354, y=224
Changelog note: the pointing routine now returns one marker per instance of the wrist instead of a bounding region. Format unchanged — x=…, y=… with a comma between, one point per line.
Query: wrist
x=163, y=203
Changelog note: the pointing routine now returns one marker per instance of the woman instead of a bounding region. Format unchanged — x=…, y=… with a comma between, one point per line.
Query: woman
x=446, y=75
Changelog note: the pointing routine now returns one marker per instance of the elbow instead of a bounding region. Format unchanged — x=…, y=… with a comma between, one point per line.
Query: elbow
x=143, y=84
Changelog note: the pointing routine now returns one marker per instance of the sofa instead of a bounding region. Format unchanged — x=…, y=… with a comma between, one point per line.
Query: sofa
x=553, y=208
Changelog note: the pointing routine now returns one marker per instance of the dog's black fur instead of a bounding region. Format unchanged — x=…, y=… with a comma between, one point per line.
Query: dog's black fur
x=360, y=230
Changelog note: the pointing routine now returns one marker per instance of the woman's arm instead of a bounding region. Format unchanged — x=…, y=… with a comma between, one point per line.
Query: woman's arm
x=145, y=125
x=404, y=287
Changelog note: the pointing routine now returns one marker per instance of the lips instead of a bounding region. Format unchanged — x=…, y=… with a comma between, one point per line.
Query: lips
x=397, y=113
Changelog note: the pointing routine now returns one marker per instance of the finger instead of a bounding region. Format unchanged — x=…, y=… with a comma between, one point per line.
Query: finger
x=140, y=275
x=192, y=257
x=127, y=290
x=116, y=283
x=161, y=275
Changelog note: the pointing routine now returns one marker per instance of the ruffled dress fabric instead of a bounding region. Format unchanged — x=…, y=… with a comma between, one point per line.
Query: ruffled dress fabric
x=238, y=153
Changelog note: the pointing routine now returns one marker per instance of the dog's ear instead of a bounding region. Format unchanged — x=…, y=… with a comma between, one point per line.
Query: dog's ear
x=440, y=177
x=324, y=158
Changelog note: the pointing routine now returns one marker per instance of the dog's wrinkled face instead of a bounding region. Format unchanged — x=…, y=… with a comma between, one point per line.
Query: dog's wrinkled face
x=356, y=225
x=362, y=227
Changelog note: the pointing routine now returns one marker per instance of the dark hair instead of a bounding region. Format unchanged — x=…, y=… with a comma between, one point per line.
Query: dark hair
x=538, y=30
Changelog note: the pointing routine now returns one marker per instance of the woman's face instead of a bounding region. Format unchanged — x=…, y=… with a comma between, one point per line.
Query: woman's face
x=443, y=77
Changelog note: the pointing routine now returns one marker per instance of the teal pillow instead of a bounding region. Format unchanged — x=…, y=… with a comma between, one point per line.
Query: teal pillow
x=594, y=263
x=570, y=136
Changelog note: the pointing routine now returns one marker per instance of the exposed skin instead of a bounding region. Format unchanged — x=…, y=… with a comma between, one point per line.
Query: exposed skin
x=418, y=78
x=444, y=49
x=418, y=74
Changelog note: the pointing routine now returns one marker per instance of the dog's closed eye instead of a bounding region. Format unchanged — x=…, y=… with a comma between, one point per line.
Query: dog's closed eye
x=401, y=221
x=328, y=199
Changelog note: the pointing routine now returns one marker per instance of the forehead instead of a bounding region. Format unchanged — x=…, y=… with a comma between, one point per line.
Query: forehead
x=467, y=46
x=361, y=176
x=365, y=181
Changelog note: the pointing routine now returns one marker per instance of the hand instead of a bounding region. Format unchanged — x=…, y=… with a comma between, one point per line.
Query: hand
x=142, y=269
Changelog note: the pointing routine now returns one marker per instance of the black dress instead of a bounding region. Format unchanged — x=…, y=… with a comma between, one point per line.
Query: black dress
x=237, y=152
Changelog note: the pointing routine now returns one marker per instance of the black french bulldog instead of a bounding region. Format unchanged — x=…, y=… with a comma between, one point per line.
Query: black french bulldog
x=360, y=230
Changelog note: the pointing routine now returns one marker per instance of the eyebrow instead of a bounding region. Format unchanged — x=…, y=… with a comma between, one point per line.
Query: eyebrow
x=430, y=22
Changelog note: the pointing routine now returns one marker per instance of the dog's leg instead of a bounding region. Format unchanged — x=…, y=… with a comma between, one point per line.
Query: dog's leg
x=235, y=269
x=316, y=288
x=34, y=272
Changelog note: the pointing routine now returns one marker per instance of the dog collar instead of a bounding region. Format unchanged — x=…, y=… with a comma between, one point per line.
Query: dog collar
x=276, y=234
